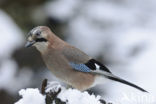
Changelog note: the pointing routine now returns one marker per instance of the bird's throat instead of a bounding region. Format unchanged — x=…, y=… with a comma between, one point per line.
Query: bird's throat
x=42, y=47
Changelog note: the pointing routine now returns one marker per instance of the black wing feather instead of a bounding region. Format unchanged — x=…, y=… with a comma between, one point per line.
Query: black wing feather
x=91, y=64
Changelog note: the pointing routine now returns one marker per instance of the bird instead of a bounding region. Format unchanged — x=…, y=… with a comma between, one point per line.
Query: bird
x=68, y=63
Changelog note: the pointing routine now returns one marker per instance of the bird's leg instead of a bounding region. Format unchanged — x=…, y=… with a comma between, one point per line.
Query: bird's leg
x=69, y=86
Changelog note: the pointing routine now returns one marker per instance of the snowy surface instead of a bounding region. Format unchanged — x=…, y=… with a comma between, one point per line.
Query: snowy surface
x=71, y=96
x=31, y=96
x=74, y=96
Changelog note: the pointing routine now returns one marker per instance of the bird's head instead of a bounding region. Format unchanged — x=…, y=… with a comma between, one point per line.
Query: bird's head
x=38, y=37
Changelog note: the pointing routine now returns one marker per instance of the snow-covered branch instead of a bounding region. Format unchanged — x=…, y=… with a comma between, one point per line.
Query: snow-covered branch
x=54, y=93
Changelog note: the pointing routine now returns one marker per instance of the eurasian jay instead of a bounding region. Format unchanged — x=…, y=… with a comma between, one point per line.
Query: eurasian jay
x=68, y=63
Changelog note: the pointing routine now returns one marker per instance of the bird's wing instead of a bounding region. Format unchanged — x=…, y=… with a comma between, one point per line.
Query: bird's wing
x=80, y=61
x=94, y=66
x=91, y=66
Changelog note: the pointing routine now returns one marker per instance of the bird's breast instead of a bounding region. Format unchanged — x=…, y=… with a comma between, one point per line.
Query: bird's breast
x=57, y=64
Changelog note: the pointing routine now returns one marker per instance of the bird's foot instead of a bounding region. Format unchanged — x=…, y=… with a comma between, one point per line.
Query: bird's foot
x=53, y=87
x=51, y=90
x=69, y=87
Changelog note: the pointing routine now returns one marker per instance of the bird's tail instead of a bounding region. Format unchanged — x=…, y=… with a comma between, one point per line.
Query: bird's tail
x=115, y=78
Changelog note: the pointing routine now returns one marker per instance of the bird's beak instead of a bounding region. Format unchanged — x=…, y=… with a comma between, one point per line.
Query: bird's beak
x=29, y=44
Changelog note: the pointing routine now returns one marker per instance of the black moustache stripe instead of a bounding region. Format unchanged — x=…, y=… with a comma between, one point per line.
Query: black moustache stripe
x=41, y=40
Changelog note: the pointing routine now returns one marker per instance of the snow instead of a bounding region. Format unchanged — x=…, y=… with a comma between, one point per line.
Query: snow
x=134, y=98
x=12, y=38
x=53, y=86
x=31, y=96
x=11, y=34
x=142, y=67
x=74, y=96
x=10, y=79
x=71, y=96
x=62, y=11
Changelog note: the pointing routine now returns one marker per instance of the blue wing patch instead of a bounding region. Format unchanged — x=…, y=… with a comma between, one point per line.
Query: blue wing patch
x=80, y=67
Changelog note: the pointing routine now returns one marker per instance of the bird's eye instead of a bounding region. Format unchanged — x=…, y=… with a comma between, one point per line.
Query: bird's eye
x=38, y=33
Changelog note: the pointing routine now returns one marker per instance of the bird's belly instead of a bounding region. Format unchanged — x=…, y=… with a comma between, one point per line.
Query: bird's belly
x=81, y=81
x=58, y=73
x=78, y=80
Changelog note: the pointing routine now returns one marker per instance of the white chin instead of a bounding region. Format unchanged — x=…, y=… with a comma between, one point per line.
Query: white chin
x=42, y=46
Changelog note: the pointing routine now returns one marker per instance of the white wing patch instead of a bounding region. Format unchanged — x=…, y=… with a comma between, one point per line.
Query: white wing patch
x=99, y=71
x=97, y=66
